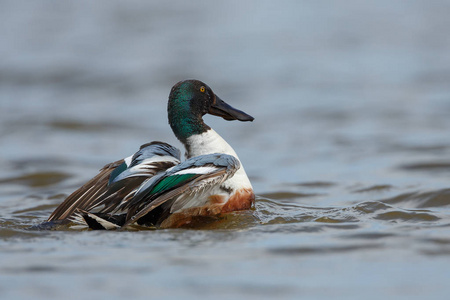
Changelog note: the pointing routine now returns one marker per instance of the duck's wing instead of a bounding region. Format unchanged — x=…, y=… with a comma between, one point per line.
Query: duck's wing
x=117, y=181
x=86, y=194
x=195, y=175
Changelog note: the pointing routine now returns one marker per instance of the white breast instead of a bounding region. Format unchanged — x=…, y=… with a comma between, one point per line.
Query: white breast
x=211, y=142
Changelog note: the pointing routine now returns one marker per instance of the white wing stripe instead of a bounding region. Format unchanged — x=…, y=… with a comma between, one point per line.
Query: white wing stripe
x=128, y=160
x=199, y=170
x=159, y=159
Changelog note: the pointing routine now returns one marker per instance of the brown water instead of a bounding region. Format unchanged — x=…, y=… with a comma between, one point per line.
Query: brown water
x=349, y=152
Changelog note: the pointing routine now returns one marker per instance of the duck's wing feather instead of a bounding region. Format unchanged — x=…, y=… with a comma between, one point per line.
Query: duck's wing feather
x=152, y=159
x=84, y=196
x=117, y=181
x=186, y=179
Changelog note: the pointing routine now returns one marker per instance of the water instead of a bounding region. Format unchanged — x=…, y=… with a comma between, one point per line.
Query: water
x=349, y=152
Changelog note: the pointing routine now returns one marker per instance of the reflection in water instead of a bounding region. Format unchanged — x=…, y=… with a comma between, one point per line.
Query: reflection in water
x=271, y=212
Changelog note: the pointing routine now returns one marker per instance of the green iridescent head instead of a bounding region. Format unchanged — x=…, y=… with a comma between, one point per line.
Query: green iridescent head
x=189, y=101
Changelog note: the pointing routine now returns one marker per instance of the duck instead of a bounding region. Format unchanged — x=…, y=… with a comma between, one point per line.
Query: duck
x=154, y=188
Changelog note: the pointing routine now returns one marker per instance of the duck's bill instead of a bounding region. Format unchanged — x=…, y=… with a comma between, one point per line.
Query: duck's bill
x=229, y=113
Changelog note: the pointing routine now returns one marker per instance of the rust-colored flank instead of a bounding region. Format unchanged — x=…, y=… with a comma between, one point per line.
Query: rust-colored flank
x=241, y=200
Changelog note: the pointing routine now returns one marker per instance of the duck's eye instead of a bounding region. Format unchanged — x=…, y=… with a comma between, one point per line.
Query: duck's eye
x=202, y=89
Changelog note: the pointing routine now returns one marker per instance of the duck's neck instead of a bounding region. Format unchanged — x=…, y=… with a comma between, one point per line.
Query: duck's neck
x=206, y=143
x=184, y=122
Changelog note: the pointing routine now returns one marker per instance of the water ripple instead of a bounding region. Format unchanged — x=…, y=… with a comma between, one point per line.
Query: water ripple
x=432, y=199
x=37, y=179
x=289, y=251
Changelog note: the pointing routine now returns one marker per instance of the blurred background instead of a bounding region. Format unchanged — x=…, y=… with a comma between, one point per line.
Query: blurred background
x=349, y=152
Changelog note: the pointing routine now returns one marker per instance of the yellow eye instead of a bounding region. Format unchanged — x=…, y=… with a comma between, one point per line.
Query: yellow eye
x=202, y=89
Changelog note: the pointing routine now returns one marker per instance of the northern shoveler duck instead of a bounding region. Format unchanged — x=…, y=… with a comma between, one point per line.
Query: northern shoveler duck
x=154, y=188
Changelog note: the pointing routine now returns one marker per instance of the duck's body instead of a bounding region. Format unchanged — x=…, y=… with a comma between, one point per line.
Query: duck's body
x=154, y=188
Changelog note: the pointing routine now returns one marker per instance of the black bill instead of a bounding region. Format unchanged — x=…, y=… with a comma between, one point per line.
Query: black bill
x=221, y=109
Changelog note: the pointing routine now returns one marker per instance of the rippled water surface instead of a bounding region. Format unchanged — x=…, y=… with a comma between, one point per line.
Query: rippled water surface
x=349, y=152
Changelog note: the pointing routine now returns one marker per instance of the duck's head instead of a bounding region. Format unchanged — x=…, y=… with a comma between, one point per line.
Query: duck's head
x=190, y=100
